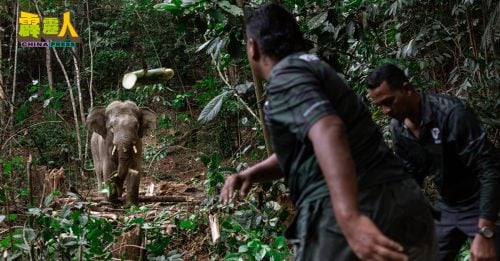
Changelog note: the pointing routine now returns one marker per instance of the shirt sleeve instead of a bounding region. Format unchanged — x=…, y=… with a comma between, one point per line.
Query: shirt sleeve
x=299, y=101
x=476, y=151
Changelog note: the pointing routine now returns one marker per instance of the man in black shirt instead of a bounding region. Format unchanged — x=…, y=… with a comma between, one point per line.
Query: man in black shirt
x=353, y=199
x=439, y=136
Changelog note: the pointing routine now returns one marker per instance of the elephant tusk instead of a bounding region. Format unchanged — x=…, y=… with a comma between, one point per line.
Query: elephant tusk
x=113, y=151
x=135, y=149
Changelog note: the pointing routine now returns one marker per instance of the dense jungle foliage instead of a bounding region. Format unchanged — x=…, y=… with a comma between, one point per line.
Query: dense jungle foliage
x=45, y=94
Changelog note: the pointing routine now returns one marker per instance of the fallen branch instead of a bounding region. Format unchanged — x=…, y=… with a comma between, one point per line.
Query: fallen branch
x=147, y=199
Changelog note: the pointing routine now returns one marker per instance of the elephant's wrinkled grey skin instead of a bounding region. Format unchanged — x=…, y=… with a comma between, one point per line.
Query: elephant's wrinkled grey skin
x=117, y=146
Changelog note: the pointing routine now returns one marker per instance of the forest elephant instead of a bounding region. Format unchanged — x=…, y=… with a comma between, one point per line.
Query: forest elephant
x=117, y=146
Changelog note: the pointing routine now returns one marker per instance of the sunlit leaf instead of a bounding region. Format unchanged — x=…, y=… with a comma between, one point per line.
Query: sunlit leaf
x=243, y=249
x=47, y=102
x=317, y=20
x=29, y=234
x=166, y=7
x=201, y=47
x=244, y=87
x=232, y=9
x=212, y=108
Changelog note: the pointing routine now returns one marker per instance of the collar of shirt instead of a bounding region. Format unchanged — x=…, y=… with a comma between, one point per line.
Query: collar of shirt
x=427, y=117
x=283, y=62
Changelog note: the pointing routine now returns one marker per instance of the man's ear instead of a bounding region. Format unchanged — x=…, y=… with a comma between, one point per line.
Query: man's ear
x=408, y=88
x=253, y=49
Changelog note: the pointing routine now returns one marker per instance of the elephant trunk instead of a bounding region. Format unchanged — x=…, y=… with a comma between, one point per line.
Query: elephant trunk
x=124, y=155
x=124, y=159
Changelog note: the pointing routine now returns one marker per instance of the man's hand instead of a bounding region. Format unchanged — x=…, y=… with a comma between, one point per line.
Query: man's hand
x=233, y=183
x=368, y=243
x=482, y=249
x=264, y=171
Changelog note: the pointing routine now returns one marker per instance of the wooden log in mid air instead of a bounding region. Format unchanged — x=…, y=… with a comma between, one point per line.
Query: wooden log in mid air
x=146, y=77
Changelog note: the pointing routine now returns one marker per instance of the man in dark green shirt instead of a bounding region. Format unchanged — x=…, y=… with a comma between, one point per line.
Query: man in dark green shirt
x=439, y=136
x=353, y=198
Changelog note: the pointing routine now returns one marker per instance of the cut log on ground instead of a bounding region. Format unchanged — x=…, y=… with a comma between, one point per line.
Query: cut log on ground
x=148, y=199
x=145, y=77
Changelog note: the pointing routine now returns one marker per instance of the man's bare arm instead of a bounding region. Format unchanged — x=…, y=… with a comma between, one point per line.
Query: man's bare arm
x=337, y=165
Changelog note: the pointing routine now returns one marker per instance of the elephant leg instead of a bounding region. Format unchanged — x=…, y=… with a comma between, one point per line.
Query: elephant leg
x=133, y=181
x=98, y=148
x=98, y=172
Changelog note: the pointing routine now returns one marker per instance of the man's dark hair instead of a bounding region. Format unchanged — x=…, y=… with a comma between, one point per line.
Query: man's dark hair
x=394, y=76
x=275, y=30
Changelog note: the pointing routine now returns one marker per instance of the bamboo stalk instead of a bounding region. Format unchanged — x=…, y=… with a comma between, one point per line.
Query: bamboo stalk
x=142, y=77
x=259, y=94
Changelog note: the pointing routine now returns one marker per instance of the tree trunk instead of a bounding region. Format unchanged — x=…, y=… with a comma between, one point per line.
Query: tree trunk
x=13, y=96
x=75, y=114
x=48, y=64
x=91, y=96
x=259, y=94
x=2, y=92
x=77, y=83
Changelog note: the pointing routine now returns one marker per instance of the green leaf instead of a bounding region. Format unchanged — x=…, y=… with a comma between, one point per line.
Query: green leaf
x=48, y=199
x=317, y=20
x=212, y=108
x=201, y=47
x=187, y=224
x=232, y=9
x=22, y=112
x=83, y=219
x=12, y=217
x=166, y=7
x=8, y=167
x=255, y=244
x=243, y=249
x=29, y=234
x=219, y=47
x=5, y=243
x=244, y=87
x=260, y=254
x=66, y=211
x=24, y=247
x=279, y=242
x=139, y=220
x=47, y=102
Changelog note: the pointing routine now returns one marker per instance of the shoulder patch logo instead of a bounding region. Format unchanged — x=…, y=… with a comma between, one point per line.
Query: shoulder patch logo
x=435, y=135
x=309, y=57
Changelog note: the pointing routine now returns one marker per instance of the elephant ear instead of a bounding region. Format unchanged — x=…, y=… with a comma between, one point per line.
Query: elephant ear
x=148, y=121
x=96, y=120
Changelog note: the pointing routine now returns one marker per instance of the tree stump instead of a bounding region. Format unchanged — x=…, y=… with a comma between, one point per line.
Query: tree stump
x=128, y=245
